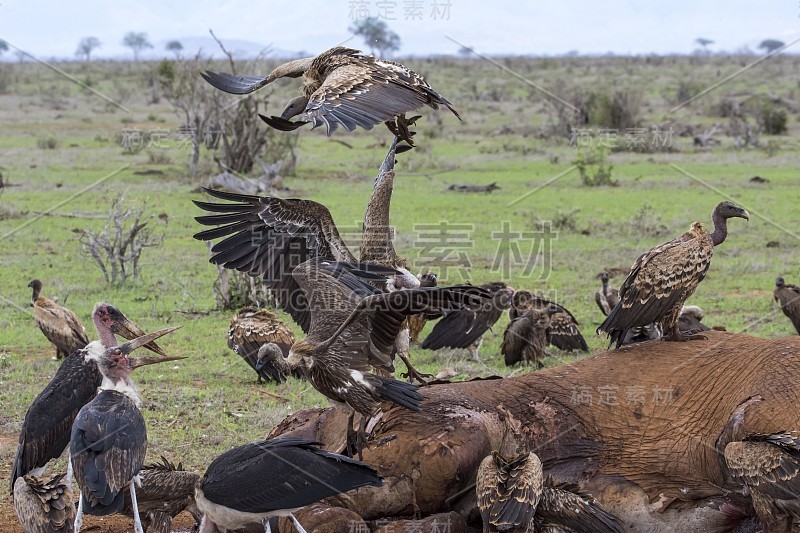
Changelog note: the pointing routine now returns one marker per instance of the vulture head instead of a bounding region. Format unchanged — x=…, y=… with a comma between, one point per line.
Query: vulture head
x=728, y=209
x=779, y=282
x=428, y=279
x=295, y=106
x=36, y=285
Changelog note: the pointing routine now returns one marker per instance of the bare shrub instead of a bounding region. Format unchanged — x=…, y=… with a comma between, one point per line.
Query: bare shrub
x=234, y=289
x=118, y=247
x=47, y=143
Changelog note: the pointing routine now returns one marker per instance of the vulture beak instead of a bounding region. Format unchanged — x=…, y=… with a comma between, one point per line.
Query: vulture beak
x=130, y=331
x=745, y=215
x=144, y=340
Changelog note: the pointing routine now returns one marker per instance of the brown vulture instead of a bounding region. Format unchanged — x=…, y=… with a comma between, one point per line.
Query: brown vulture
x=250, y=329
x=662, y=279
x=269, y=237
x=525, y=337
x=353, y=330
x=513, y=496
x=341, y=86
x=165, y=491
x=789, y=298
x=60, y=325
x=606, y=297
x=465, y=328
x=563, y=332
x=769, y=466
x=44, y=505
x=416, y=323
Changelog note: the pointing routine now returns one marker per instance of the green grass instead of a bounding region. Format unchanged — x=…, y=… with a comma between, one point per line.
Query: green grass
x=200, y=406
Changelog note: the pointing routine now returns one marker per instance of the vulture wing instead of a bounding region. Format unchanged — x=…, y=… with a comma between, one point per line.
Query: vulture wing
x=271, y=236
x=564, y=507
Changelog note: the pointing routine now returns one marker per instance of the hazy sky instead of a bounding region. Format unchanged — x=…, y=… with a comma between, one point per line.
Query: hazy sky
x=52, y=28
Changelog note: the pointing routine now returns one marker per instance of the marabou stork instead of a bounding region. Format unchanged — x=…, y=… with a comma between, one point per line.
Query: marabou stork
x=109, y=440
x=251, y=483
x=46, y=428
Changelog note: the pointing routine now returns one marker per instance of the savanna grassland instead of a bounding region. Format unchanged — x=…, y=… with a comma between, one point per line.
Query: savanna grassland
x=62, y=162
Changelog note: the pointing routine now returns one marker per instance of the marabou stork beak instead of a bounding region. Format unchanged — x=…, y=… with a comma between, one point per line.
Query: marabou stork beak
x=144, y=340
x=130, y=331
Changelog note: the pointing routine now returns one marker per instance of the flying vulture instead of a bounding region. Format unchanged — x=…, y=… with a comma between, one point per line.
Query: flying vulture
x=342, y=86
x=662, y=279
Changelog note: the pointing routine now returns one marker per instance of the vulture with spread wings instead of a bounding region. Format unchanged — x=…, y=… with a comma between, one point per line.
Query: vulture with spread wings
x=353, y=329
x=465, y=328
x=269, y=237
x=343, y=87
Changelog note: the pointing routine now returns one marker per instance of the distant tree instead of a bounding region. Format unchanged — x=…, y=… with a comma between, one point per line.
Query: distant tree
x=174, y=46
x=376, y=35
x=702, y=41
x=3, y=47
x=136, y=42
x=85, y=47
x=465, y=51
x=770, y=45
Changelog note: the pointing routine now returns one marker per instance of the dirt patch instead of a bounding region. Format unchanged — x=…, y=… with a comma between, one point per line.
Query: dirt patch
x=97, y=524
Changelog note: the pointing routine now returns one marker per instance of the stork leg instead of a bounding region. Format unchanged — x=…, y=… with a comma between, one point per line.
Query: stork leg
x=473, y=350
x=79, y=515
x=69, y=472
x=267, y=528
x=300, y=529
x=137, y=523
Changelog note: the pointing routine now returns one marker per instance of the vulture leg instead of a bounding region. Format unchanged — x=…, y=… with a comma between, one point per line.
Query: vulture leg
x=137, y=522
x=412, y=373
x=267, y=528
x=473, y=350
x=352, y=438
x=400, y=127
x=300, y=529
x=79, y=515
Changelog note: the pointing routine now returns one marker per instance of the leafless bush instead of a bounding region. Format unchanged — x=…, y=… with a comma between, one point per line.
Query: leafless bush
x=118, y=248
x=210, y=120
x=234, y=289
